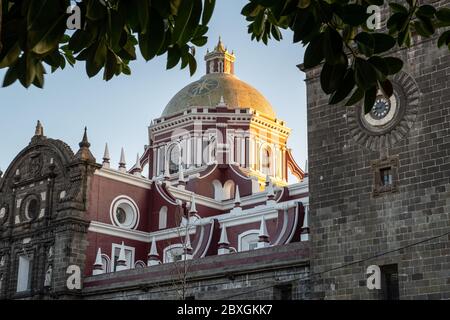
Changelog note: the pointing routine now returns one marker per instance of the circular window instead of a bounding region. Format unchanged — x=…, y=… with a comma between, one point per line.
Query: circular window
x=390, y=118
x=124, y=212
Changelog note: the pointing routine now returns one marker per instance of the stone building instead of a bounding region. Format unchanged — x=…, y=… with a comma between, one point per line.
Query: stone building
x=380, y=184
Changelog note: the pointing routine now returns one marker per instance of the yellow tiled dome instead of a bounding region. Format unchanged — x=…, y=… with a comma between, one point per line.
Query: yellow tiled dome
x=207, y=92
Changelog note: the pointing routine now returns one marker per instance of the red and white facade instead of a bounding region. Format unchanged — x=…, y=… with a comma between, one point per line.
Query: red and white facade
x=216, y=181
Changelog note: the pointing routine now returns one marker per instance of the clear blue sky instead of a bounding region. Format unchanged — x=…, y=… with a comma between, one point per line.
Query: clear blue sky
x=119, y=111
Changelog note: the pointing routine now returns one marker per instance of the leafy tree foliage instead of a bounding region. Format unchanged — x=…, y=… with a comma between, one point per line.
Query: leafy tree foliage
x=355, y=57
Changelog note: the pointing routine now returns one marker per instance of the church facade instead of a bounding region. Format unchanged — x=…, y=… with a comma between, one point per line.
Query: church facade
x=207, y=199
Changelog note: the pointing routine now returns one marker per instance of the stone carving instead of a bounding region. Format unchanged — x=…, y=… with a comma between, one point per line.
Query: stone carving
x=48, y=276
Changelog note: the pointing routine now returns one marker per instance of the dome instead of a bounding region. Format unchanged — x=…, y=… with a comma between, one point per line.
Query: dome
x=218, y=82
x=208, y=91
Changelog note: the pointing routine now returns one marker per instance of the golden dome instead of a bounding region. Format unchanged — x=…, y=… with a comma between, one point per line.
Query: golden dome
x=208, y=91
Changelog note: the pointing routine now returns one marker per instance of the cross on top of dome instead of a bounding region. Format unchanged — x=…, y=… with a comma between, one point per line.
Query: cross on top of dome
x=220, y=60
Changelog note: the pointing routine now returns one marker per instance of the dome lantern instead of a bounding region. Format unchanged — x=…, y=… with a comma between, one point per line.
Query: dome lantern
x=220, y=60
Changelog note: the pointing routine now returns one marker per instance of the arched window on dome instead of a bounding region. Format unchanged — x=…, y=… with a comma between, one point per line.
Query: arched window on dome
x=221, y=66
x=174, y=156
x=228, y=190
x=266, y=157
x=218, y=190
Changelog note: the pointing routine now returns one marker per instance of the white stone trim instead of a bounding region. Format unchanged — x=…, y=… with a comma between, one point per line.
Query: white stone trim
x=124, y=177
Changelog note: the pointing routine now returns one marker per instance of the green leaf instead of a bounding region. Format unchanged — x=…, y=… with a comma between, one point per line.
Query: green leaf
x=110, y=66
x=143, y=14
x=151, y=42
x=366, y=43
x=444, y=39
x=443, y=14
x=208, y=11
x=369, y=99
x=353, y=14
x=426, y=11
x=365, y=74
x=192, y=64
x=10, y=56
x=332, y=76
x=394, y=65
x=396, y=7
x=332, y=46
x=314, y=53
x=387, y=88
x=173, y=57
x=356, y=97
x=382, y=42
x=345, y=87
x=43, y=42
x=380, y=65
x=186, y=21
x=11, y=76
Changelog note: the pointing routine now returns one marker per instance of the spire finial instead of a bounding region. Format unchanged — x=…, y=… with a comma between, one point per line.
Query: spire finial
x=98, y=265
x=106, y=157
x=263, y=234
x=122, y=163
x=221, y=102
x=39, y=132
x=84, y=142
x=223, y=236
x=121, y=261
x=237, y=197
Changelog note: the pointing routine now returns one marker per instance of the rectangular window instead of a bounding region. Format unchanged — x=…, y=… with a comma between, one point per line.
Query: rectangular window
x=386, y=176
x=23, y=274
x=389, y=282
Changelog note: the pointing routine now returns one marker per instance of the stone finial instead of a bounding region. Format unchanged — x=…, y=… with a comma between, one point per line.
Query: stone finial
x=122, y=162
x=84, y=142
x=193, y=208
x=181, y=178
x=98, y=265
x=84, y=153
x=153, y=256
x=39, y=132
x=224, y=244
x=187, y=254
x=263, y=234
x=137, y=167
x=166, y=170
x=237, y=197
x=121, y=261
x=221, y=102
x=106, y=157
x=269, y=189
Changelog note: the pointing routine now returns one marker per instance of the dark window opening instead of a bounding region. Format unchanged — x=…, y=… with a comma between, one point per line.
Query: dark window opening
x=389, y=282
x=386, y=176
x=283, y=292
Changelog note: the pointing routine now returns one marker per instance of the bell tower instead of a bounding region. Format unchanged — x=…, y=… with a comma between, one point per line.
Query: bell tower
x=220, y=60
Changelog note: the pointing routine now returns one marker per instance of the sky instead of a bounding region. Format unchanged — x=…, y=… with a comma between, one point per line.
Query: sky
x=119, y=111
